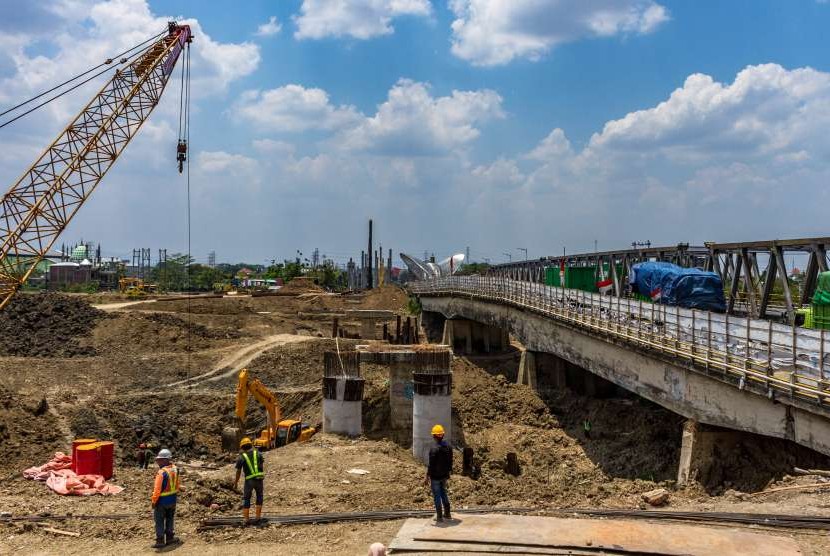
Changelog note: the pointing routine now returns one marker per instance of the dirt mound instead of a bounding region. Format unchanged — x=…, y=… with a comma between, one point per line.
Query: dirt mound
x=47, y=325
x=142, y=332
x=387, y=297
x=28, y=431
x=188, y=424
x=228, y=305
x=631, y=448
x=298, y=364
x=300, y=285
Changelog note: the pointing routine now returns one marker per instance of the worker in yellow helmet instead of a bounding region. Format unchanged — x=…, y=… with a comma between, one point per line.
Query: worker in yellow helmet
x=439, y=469
x=250, y=459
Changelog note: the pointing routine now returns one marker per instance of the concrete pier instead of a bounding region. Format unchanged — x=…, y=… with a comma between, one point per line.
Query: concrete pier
x=402, y=363
x=469, y=337
x=432, y=405
x=342, y=394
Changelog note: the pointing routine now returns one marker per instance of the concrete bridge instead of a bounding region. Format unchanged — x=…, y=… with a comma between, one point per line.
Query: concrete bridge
x=736, y=374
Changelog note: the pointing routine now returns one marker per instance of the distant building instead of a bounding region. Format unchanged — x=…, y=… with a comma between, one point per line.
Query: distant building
x=69, y=274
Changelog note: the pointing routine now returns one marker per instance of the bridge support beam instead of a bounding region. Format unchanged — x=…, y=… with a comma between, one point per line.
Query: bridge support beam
x=544, y=372
x=698, y=451
x=527, y=369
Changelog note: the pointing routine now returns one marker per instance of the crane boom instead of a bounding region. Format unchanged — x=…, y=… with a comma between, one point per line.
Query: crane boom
x=37, y=208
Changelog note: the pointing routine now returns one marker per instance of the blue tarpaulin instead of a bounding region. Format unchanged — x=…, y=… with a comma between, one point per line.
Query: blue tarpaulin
x=674, y=285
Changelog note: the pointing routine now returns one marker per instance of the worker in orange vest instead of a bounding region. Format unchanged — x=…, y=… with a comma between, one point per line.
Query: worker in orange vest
x=165, y=491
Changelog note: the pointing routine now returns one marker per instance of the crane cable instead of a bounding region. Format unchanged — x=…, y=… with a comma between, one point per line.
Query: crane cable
x=124, y=57
x=184, y=135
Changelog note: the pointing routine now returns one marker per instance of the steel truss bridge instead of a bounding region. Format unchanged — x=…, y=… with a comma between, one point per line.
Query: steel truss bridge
x=749, y=291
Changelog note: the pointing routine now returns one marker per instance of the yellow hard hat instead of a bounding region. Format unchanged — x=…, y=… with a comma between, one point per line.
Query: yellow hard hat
x=244, y=442
x=437, y=430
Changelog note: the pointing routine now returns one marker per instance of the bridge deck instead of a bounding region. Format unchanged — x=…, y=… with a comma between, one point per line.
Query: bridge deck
x=754, y=352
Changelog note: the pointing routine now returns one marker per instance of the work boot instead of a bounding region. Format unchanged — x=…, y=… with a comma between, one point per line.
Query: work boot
x=438, y=517
x=172, y=539
x=258, y=515
x=246, y=516
x=159, y=543
x=447, y=515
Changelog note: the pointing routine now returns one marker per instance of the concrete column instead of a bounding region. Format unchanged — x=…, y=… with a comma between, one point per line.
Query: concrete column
x=400, y=400
x=432, y=405
x=527, y=369
x=448, y=338
x=367, y=329
x=343, y=406
x=342, y=393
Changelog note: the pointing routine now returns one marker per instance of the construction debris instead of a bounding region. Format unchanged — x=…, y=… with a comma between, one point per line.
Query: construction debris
x=656, y=497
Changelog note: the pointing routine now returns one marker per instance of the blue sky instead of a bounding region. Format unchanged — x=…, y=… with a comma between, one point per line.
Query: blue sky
x=492, y=124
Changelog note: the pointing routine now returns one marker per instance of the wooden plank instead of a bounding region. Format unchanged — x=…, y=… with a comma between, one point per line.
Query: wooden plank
x=615, y=535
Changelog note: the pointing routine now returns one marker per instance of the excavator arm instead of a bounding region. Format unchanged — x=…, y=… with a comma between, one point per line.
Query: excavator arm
x=264, y=396
x=36, y=209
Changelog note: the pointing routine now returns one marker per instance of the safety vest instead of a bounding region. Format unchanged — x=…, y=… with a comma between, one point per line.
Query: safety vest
x=172, y=475
x=252, y=470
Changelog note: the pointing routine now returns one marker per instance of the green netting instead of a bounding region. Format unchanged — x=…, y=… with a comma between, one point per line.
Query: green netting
x=822, y=295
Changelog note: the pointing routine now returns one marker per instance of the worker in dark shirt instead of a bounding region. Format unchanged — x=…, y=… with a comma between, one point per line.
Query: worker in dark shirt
x=438, y=472
x=250, y=460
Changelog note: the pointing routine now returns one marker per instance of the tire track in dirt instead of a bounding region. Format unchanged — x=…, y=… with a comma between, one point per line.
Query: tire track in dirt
x=237, y=360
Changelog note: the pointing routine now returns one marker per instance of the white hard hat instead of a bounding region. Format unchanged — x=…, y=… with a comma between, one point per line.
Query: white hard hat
x=165, y=454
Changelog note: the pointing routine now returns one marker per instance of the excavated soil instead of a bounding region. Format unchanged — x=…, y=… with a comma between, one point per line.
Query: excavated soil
x=148, y=332
x=190, y=425
x=299, y=286
x=122, y=393
x=27, y=430
x=47, y=325
x=298, y=364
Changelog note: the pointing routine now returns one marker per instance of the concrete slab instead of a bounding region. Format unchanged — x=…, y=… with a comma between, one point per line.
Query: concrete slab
x=615, y=535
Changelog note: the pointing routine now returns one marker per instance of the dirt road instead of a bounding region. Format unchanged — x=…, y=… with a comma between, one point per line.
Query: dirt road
x=238, y=359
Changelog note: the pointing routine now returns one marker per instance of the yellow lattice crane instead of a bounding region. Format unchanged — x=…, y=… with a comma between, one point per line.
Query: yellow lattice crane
x=37, y=208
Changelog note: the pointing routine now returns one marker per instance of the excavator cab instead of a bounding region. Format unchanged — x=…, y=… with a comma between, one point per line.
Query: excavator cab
x=278, y=432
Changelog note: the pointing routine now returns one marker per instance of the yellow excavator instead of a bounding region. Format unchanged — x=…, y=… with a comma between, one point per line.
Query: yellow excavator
x=277, y=432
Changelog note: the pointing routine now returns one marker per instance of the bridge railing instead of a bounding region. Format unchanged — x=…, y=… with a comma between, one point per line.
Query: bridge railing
x=759, y=354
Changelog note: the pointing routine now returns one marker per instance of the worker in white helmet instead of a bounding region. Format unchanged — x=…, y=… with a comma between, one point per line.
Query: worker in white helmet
x=165, y=491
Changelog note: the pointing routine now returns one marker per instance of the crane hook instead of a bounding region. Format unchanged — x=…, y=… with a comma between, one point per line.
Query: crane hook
x=181, y=153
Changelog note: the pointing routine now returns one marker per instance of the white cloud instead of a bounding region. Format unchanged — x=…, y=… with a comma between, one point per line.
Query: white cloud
x=555, y=145
x=293, y=108
x=93, y=32
x=766, y=110
x=221, y=161
x=412, y=122
x=272, y=147
x=359, y=19
x=494, y=32
x=269, y=28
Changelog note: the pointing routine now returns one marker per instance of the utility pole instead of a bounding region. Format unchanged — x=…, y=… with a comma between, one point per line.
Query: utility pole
x=523, y=249
x=509, y=257
x=467, y=255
